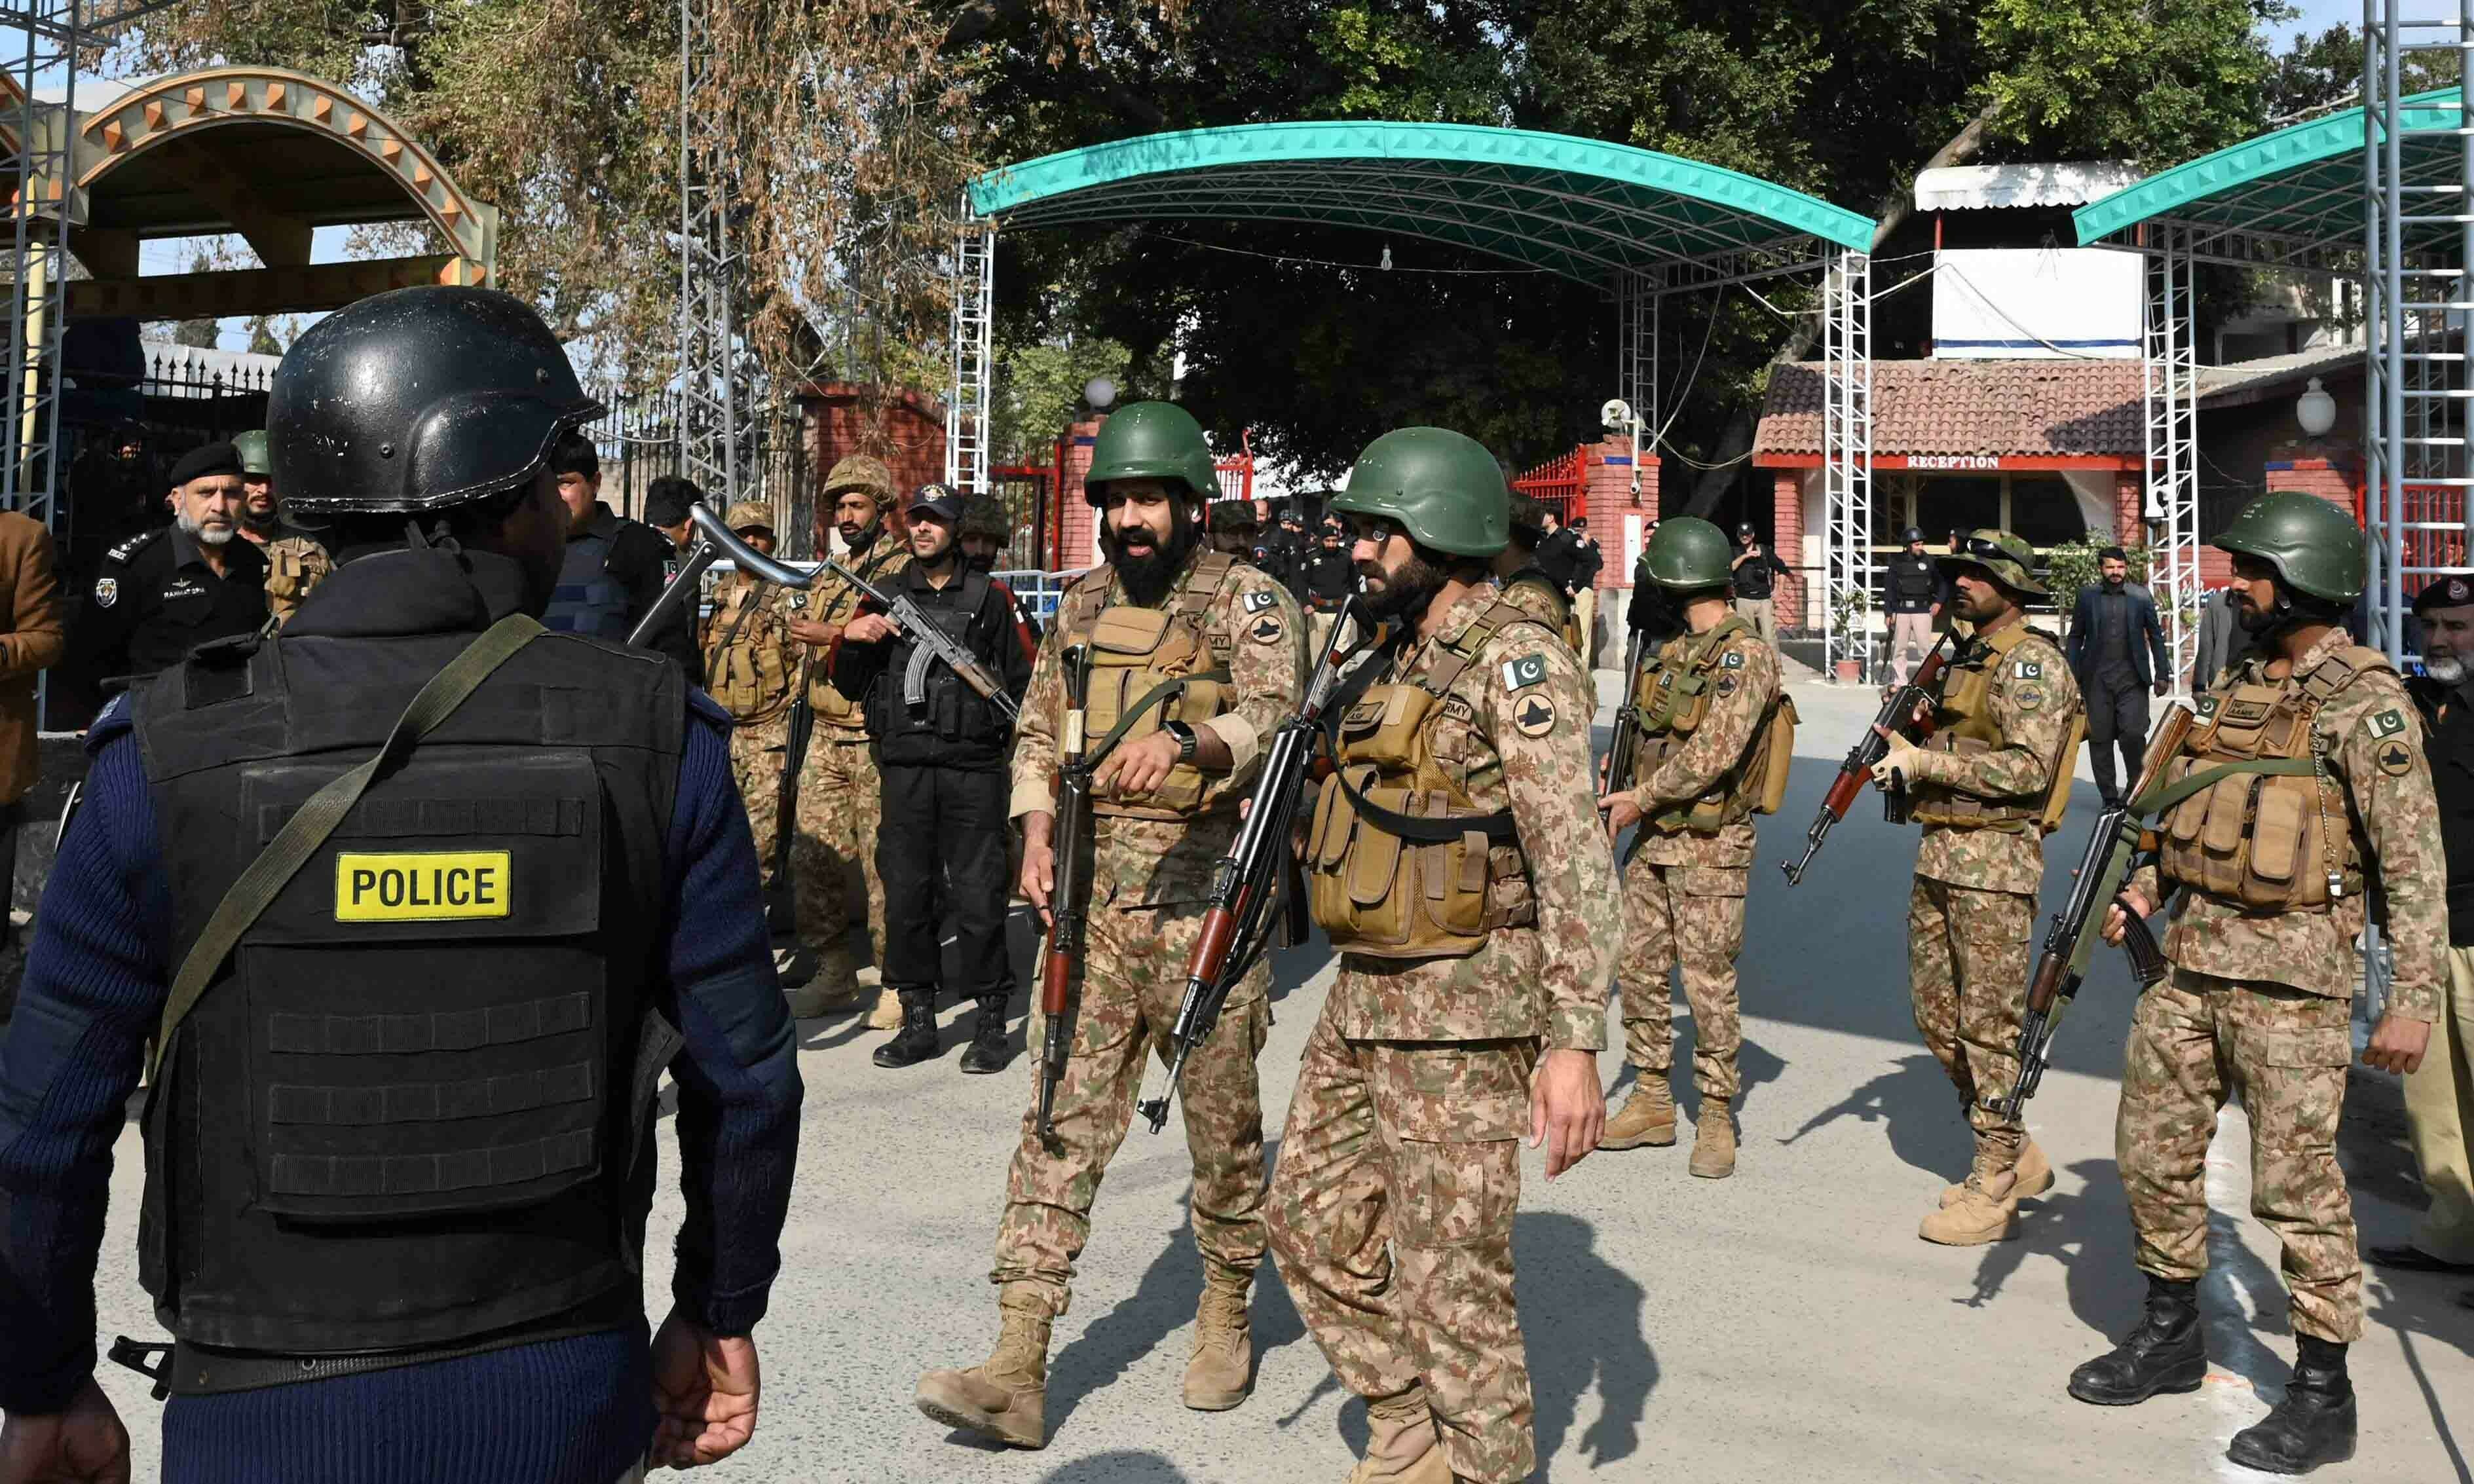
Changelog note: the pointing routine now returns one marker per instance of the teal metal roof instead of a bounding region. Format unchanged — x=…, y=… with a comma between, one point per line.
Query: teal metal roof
x=1581, y=207
x=2303, y=182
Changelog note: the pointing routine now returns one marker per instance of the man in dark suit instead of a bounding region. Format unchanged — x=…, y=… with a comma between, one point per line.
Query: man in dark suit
x=2117, y=651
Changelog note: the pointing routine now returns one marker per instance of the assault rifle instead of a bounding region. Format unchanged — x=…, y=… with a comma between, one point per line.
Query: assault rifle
x=1623, y=745
x=1897, y=714
x=1237, y=923
x=2112, y=851
x=1069, y=895
x=929, y=641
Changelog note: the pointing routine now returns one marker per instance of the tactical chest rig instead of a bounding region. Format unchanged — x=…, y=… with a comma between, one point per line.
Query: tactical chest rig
x=919, y=693
x=747, y=664
x=1401, y=862
x=1673, y=700
x=1148, y=665
x=837, y=603
x=2252, y=815
x=1967, y=727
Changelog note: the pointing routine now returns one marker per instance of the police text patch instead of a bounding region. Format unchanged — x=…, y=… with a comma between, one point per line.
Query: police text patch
x=1525, y=672
x=1259, y=599
x=421, y=885
x=2385, y=723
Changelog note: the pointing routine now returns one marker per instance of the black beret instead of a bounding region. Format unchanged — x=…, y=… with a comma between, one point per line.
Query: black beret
x=2446, y=592
x=206, y=458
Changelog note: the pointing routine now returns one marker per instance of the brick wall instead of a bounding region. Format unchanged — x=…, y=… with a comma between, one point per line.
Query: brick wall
x=1787, y=539
x=2130, y=501
x=912, y=444
x=1606, y=498
x=1077, y=521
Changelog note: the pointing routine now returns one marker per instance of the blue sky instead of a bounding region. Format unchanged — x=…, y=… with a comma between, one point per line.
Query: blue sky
x=2318, y=16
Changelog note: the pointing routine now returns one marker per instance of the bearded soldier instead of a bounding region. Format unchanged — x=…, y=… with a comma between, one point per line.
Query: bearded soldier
x=1987, y=789
x=2301, y=787
x=839, y=802
x=1707, y=702
x=1226, y=640
x=1458, y=864
x=295, y=561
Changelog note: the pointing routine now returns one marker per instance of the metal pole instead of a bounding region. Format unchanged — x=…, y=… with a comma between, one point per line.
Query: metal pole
x=2392, y=391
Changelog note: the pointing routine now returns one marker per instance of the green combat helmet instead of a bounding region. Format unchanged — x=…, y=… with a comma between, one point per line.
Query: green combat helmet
x=1152, y=440
x=1688, y=553
x=251, y=446
x=2316, y=547
x=1441, y=486
x=2007, y=559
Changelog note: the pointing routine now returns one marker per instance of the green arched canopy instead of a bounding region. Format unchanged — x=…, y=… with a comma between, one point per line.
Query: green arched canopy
x=1581, y=207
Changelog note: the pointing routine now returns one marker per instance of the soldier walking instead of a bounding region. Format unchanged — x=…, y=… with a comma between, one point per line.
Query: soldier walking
x=1472, y=998
x=2309, y=749
x=1987, y=789
x=1226, y=640
x=1705, y=701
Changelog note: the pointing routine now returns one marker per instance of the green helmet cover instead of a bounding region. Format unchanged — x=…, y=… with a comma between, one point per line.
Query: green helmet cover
x=1152, y=440
x=1689, y=552
x=251, y=446
x=2314, y=546
x=1442, y=487
x=2009, y=559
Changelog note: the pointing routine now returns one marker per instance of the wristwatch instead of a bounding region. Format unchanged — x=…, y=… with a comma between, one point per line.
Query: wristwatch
x=1185, y=740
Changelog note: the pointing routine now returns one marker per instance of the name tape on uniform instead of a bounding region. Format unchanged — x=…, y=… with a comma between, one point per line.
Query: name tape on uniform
x=421, y=885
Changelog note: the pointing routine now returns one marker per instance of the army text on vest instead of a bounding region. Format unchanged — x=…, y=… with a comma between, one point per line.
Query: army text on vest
x=411, y=1110
x=1400, y=863
x=832, y=603
x=1966, y=726
x=1673, y=700
x=1149, y=665
x=750, y=665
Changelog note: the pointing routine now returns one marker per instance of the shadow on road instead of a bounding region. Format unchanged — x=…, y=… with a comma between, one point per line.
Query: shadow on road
x=1117, y=1465
x=1920, y=1112
x=1581, y=1317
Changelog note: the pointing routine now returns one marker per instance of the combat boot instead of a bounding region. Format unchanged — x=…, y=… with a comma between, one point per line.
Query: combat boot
x=916, y=1042
x=834, y=984
x=987, y=1051
x=1647, y=1116
x=1222, y=1372
x=885, y=1014
x=1988, y=1211
x=1400, y=1443
x=2035, y=1174
x=2168, y=1352
x=1713, y=1139
x=2313, y=1424
x=1005, y=1399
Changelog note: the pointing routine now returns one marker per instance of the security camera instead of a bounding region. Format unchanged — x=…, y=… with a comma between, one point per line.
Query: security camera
x=1615, y=415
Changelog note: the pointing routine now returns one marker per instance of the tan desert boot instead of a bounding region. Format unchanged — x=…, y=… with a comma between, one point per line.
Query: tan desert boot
x=888, y=1013
x=834, y=986
x=1986, y=1211
x=1647, y=1116
x=1222, y=1372
x=1400, y=1443
x=1713, y=1141
x=1006, y=1398
x=2035, y=1175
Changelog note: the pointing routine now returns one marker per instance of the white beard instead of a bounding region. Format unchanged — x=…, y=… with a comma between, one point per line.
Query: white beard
x=212, y=537
x=2446, y=668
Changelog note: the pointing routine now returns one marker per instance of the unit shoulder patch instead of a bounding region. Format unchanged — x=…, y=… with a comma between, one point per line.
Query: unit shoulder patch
x=1533, y=716
x=106, y=591
x=2028, y=698
x=2395, y=758
x=1267, y=629
x=1529, y=669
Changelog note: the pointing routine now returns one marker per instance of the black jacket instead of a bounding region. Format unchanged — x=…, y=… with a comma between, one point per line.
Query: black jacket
x=2146, y=636
x=156, y=598
x=1755, y=574
x=637, y=560
x=2448, y=743
x=1331, y=575
x=951, y=727
x=1911, y=583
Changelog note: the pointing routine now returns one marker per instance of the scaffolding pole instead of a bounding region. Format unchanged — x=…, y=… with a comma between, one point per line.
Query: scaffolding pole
x=1847, y=458
x=41, y=203
x=973, y=337
x=2170, y=375
x=709, y=400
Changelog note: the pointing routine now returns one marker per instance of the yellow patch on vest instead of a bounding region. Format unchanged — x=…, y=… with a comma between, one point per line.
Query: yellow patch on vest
x=421, y=885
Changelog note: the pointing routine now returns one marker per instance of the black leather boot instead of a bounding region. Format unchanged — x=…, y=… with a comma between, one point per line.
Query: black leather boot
x=916, y=1042
x=988, y=1051
x=2166, y=1352
x=2313, y=1426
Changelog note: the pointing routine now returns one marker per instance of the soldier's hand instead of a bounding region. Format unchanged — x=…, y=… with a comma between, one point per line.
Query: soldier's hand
x=1567, y=1109
x=1623, y=809
x=1038, y=862
x=2398, y=1044
x=1136, y=767
x=83, y=1444
x=813, y=634
x=870, y=629
x=2115, y=924
x=705, y=1388
x=1903, y=757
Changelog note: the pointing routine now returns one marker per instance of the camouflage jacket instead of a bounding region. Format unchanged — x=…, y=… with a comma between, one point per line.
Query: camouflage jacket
x=2373, y=742
x=834, y=603
x=2034, y=701
x=1534, y=594
x=1523, y=743
x=295, y=564
x=750, y=662
x=1742, y=690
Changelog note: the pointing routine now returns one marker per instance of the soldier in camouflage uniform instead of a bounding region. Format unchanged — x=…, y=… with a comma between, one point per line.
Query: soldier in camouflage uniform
x=1457, y=862
x=2302, y=790
x=840, y=798
x=1987, y=787
x=1230, y=643
x=1707, y=701
x=295, y=559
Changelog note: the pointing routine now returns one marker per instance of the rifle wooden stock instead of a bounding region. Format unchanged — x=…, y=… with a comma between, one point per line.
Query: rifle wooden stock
x=1896, y=715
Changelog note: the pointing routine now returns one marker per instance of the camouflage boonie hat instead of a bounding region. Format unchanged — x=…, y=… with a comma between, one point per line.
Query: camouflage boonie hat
x=749, y=515
x=1230, y=515
x=859, y=472
x=2008, y=559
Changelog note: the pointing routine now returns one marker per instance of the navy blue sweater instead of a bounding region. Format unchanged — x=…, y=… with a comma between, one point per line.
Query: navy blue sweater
x=574, y=1411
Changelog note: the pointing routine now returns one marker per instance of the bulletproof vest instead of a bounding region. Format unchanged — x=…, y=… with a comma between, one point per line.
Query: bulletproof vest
x=412, y=1107
x=1914, y=579
x=1149, y=665
x=919, y=693
x=748, y=661
x=1401, y=862
x=588, y=601
x=1673, y=699
x=2265, y=841
x=836, y=601
x=1965, y=724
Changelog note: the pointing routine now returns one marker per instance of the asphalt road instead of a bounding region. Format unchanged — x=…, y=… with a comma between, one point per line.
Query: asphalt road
x=1786, y=1323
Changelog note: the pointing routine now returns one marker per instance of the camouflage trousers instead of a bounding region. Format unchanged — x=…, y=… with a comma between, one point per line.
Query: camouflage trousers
x=1690, y=917
x=2195, y=1039
x=756, y=756
x=1133, y=976
x=1967, y=972
x=840, y=805
x=1392, y=1213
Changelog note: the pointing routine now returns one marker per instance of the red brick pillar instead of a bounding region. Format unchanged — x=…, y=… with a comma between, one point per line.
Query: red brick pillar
x=1075, y=520
x=1607, y=496
x=1787, y=539
x=2129, y=505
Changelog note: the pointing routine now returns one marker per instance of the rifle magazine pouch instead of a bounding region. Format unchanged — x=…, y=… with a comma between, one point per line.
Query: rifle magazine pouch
x=1133, y=652
x=2258, y=835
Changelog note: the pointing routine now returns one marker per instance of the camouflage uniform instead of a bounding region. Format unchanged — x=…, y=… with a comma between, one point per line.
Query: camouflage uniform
x=294, y=565
x=1399, y=1172
x=751, y=667
x=1135, y=961
x=2261, y=1002
x=840, y=798
x=1684, y=889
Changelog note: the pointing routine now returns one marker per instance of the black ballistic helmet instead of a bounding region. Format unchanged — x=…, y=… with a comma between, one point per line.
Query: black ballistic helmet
x=417, y=401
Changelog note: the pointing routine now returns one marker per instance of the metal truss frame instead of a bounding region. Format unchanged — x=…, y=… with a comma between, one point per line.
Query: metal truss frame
x=1847, y=461
x=710, y=402
x=44, y=202
x=2169, y=381
x=967, y=430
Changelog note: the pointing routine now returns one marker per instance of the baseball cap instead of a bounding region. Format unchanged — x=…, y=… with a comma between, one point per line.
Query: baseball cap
x=941, y=501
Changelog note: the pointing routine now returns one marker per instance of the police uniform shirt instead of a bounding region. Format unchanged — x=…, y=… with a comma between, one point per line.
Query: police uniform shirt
x=156, y=598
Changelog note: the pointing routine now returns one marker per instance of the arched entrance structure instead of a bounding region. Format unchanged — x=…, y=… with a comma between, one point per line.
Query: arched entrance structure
x=1638, y=225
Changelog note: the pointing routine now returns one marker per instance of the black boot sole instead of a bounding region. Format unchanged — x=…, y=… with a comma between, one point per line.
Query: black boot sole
x=985, y=1068
x=2186, y=1378
x=2235, y=1453
x=885, y=1056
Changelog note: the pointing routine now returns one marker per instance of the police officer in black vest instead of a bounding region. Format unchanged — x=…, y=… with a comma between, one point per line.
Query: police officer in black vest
x=941, y=749
x=1912, y=594
x=417, y=903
